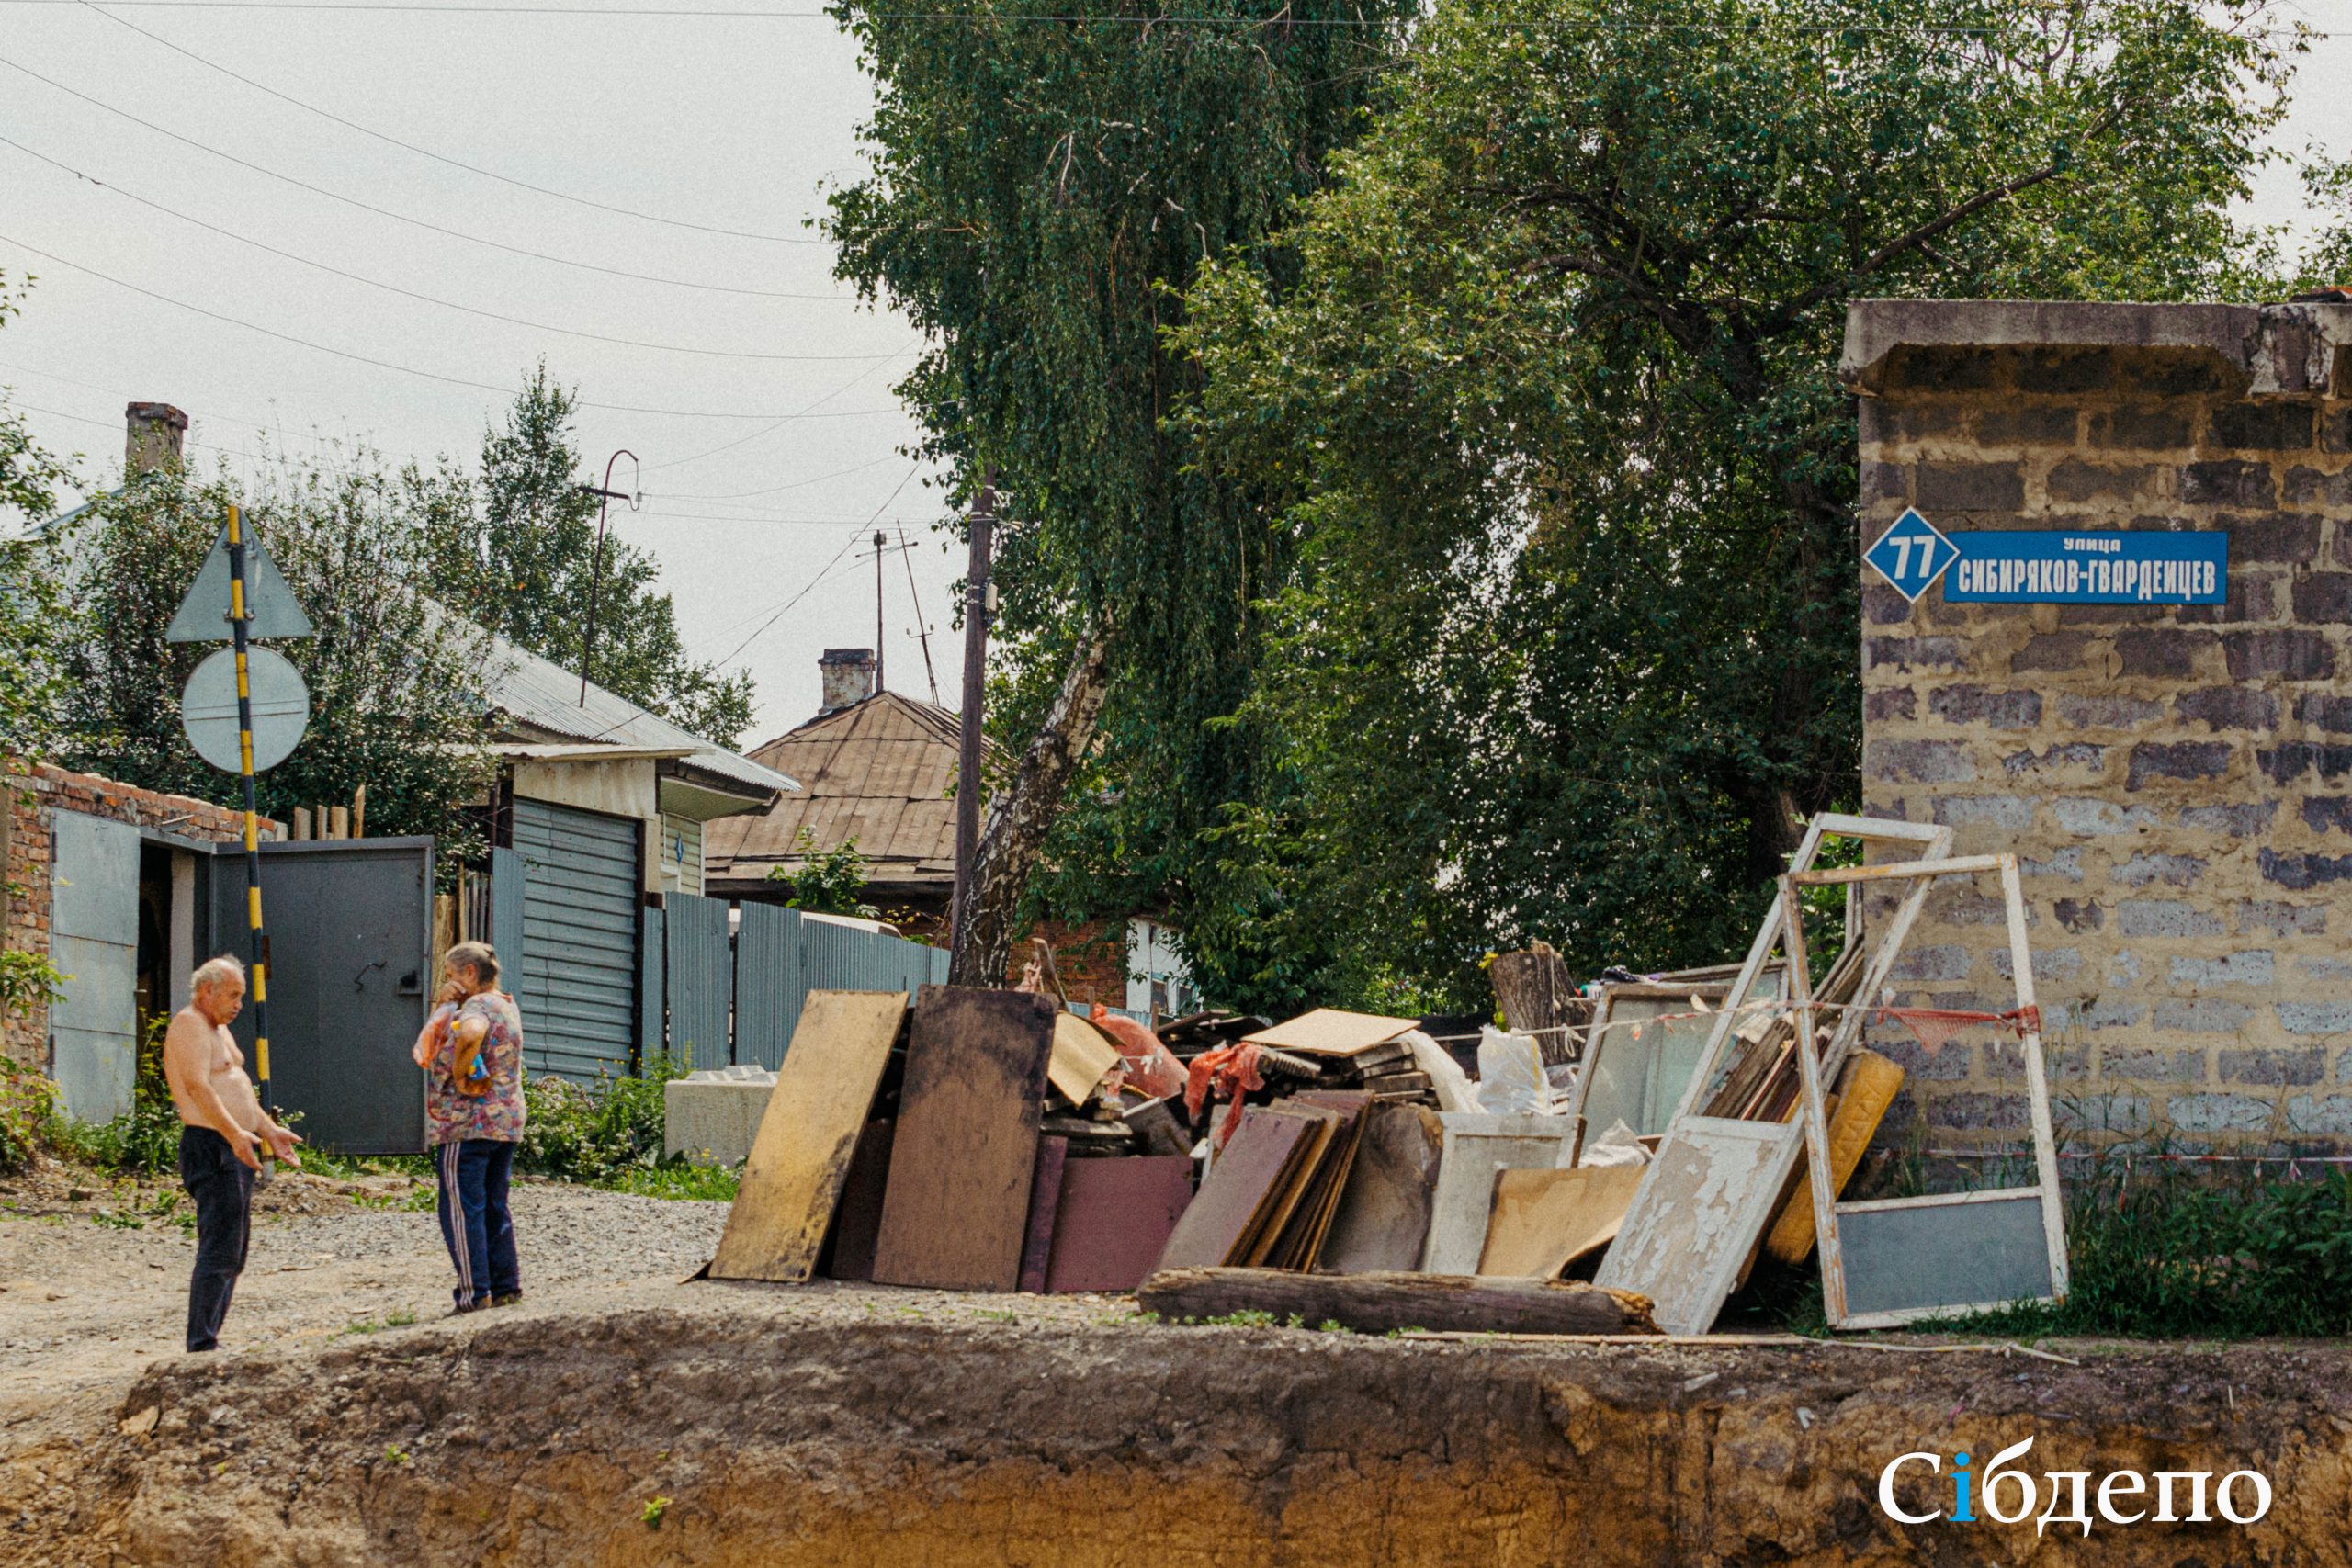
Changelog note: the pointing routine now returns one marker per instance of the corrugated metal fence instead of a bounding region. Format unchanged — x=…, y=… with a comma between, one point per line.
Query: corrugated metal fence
x=765, y=969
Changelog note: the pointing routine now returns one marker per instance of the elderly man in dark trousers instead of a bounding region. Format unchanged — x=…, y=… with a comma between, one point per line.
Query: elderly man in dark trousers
x=223, y=1131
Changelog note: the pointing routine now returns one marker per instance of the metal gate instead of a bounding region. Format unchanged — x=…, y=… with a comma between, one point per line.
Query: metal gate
x=350, y=941
x=700, y=976
x=94, y=940
x=575, y=975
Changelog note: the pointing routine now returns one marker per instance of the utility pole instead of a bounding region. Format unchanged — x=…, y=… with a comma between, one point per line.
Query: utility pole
x=922, y=628
x=596, y=566
x=878, y=539
x=976, y=654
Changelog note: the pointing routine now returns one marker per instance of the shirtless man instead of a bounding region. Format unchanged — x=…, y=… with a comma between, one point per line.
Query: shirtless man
x=223, y=1128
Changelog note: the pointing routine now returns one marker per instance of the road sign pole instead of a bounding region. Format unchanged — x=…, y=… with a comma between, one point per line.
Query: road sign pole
x=260, y=961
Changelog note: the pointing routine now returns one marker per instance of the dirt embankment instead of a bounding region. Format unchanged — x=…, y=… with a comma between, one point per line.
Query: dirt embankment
x=790, y=1429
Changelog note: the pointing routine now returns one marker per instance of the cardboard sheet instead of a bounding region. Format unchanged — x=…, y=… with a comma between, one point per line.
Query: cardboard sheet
x=1082, y=1055
x=1546, y=1220
x=958, y=1206
x=1328, y=1031
x=792, y=1180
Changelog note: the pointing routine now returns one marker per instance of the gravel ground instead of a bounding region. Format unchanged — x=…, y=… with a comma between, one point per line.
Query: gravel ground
x=86, y=1300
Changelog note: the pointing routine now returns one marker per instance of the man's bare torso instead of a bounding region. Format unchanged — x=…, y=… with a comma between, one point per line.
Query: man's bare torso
x=224, y=1066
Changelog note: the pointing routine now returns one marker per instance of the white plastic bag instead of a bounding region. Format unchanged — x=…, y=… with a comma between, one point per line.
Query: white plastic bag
x=1511, y=1074
x=1451, y=1086
x=1619, y=1145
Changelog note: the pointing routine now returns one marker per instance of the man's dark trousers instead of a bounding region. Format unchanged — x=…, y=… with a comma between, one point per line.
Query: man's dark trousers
x=223, y=1187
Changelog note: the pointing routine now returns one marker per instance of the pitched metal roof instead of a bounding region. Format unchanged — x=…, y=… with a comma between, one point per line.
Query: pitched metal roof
x=878, y=772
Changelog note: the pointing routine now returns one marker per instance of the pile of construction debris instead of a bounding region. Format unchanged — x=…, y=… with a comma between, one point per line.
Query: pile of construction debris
x=1622, y=1156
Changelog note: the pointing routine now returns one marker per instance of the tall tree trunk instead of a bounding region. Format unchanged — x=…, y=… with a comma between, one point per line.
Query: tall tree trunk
x=1018, y=818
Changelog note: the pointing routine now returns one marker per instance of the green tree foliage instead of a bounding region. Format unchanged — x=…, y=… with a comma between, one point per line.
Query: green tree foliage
x=1039, y=189
x=397, y=692
x=514, y=550
x=830, y=882
x=30, y=611
x=1554, y=418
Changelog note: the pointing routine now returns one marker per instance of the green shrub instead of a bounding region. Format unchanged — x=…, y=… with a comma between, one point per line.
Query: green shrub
x=599, y=1133
x=28, y=1114
x=144, y=1140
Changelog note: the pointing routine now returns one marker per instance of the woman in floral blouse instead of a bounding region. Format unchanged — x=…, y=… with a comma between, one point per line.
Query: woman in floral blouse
x=471, y=1051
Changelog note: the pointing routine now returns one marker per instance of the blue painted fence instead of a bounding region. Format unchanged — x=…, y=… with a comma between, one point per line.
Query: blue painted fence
x=770, y=963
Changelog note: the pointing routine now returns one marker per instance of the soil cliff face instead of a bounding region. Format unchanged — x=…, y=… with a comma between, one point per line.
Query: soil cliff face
x=726, y=1431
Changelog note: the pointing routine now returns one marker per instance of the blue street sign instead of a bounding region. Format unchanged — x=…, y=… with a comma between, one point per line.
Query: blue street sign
x=1911, y=554
x=2141, y=566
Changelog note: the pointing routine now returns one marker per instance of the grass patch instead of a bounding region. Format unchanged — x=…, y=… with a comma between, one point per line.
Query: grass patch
x=703, y=1183
x=401, y=1319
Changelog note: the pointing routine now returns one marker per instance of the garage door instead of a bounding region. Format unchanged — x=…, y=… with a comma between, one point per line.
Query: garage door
x=581, y=878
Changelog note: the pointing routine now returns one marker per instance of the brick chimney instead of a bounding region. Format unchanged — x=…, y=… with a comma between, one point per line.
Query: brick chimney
x=152, y=437
x=847, y=674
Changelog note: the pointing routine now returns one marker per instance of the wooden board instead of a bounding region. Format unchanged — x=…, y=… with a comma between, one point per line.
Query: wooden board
x=1234, y=1192
x=1285, y=1200
x=1700, y=1209
x=858, y=1222
x=1476, y=1146
x=1383, y=1217
x=1082, y=1055
x=1114, y=1219
x=1044, y=1198
x=1378, y=1304
x=801, y=1158
x=1864, y=1091
x=1302, y=1239
x=954, y=1216
x=1328, y=1031
x=1546, y=1220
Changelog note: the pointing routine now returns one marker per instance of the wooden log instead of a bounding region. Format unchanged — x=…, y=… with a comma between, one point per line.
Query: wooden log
x=1376, y=1304
x=359, y=812
x=301, y=824
x=1538, y=996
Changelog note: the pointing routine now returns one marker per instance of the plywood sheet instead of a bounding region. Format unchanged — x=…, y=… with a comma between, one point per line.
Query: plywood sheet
x=1234, y=1192
x=1383, y=1217
x=800, y=1158
x=1286, y=1200
x=1044, y=1198
x=1082, y=1054
x=1114, y=1217
x=1698, y=1214
x=1972, y=1249
x=1302, y=1240
x=1546, y=1220
x=1476, y=1146
x=849, y=1254
x=966, y=1151
x=1329, y=1031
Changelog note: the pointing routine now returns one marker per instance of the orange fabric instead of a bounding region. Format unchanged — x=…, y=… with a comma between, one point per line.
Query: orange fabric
x=1228, y=1072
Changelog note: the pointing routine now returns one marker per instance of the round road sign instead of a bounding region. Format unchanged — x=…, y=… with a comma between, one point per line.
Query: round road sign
x=281, y=705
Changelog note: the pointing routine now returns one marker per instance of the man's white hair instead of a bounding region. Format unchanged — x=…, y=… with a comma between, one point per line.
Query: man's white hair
x=215, y=972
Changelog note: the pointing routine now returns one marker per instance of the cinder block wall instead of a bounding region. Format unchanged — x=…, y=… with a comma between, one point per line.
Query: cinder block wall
x=31, y=796
x=2178, y=781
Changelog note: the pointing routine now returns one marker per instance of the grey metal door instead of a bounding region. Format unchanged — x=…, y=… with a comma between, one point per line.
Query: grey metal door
x=582, y=880
x=94, y=940
x=350, y=944
x=701, y=976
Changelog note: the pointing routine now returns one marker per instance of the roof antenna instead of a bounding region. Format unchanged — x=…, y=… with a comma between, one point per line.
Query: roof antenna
x=922, y=630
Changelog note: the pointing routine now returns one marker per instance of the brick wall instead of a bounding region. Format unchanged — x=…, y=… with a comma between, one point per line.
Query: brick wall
x=2178, y=781
x=1090, y=956
x=31, y=798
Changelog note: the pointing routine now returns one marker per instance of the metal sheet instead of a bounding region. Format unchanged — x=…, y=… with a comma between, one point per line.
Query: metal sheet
x=350, y=946
x=653, y=991
x=1703, y=1203
x=1965, y=1252
x=1114, y=1217
x=271, y=609
x=280, y=702
x=1045, y=1205
x=93, y=941
x=768, y=982
x=580, y=879
x=698, y=976
x=1476, y=1146
x=1233, y=1196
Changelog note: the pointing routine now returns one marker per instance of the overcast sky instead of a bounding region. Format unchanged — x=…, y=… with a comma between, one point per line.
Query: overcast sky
x=776, y=448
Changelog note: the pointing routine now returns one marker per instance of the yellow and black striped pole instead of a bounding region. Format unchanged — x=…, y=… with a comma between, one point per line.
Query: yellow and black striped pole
x=260, y=961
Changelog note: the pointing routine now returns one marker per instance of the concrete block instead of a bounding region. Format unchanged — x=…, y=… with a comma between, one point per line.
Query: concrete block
x=2326, y=968
x=2219, y=1112
x=2202, y=1015
x=1944, y=961
x=2281, y=920
x=2144, y=1064
x=2120, y=1115
x=2285, y=538
x=2309, y=487
x=2111, y=1012
x=2271, y=425
x=2077, y=755
x=1971, y=487
x=2048, y=651
x=2324, y=596
x=2307, y=1064
x=2102, y=816
x=2254, y=966
x=2326, y=711
x=2074, y=480
x=1979, y=704
x=2299, y=872
x=2066, y=865
x=2188, y=760
x=2079, y=914
x=2173, y=870
x=2228, y=707
x=712, y=1117
x=2105, y=712
x=2315, y=1018
x=2328, y=813
x=2162, y=653
x=2008, y=812
x=2232, y=481
x=2238, y=821
x=2150, y=427
x=2049, y=962
x=1976, y=1112
x=2123, y=968
x=1905, y=653
x=1923, y=761
x=2323, y=1115
x=1897, y=702
x=2283, y=655
x=2027, y=424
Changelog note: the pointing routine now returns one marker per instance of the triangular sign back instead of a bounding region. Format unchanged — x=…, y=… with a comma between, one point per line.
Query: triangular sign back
x=270, y=609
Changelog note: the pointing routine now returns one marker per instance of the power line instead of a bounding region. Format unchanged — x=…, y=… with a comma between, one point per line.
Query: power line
x=1625, y=25
x=437, y=157
x=412, y=294
x=413, y=370
x=387, y=212
x=779, y=424
x=795, y=484
x=796, y=598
